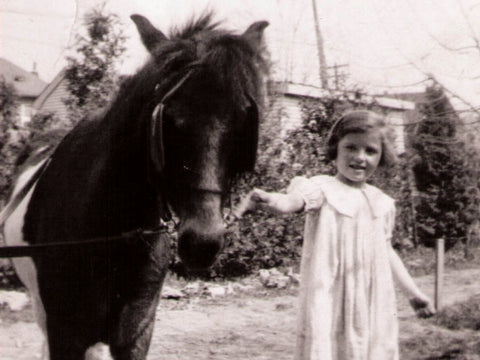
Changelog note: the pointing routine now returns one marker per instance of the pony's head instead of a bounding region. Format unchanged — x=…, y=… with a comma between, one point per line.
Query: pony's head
x=204, y=131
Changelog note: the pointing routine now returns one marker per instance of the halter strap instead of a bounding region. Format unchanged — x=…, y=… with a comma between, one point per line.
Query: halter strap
x=157, y=147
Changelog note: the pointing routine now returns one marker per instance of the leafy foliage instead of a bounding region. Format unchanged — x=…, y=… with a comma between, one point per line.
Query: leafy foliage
x=445, y=177
x=11, y=141
x=91, y=74
x=11, y=137
x=44, y=121
x=8, y=107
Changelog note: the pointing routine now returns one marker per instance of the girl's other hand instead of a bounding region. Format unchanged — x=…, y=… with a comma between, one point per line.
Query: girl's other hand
x=423, y=306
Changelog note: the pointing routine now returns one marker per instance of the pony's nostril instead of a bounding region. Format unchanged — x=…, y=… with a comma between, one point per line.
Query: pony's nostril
x=198, y=251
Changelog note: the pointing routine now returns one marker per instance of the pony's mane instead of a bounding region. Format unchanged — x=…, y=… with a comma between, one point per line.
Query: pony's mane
x=194, y=26
x=226, y=58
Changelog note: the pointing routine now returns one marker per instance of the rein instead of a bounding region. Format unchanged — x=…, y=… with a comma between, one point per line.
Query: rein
x=92, y=245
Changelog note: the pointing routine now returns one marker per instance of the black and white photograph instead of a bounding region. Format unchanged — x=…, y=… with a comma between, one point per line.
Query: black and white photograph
x=241, y=179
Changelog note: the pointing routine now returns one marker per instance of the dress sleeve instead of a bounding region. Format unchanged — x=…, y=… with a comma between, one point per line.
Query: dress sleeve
x=309, y=190
x=390, y=222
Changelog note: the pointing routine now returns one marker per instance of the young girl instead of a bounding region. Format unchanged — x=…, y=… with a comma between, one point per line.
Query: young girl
x=347, y=296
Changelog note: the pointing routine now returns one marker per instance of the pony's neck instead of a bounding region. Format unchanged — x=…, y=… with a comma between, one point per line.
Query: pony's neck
x=127, y=119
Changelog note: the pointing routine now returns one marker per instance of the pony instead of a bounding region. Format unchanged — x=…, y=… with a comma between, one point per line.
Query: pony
x=172, y=140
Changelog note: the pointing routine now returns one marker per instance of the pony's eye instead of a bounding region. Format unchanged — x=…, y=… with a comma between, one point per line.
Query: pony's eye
x=180, y=122
x=174, y=118
x=177, y=115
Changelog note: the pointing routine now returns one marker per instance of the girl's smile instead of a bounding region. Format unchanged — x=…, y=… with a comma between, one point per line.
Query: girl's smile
x=358, y=156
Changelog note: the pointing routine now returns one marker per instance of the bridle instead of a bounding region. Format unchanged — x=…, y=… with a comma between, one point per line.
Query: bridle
x=156, y=137
x=157, y=144
x=157, y=148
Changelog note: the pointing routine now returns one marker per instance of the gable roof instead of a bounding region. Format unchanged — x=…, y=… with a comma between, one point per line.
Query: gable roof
x=49, y=89
x=303, y=90
x=26, y=84
x=416, y=97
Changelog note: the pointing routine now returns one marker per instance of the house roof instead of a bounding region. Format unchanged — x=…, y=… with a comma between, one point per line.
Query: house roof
x=416, y=97
x=315, y=92
x=422, y=98
x=49, y=89
x=26, y=84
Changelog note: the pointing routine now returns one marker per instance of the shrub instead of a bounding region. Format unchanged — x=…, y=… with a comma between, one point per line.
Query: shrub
x=446, y=174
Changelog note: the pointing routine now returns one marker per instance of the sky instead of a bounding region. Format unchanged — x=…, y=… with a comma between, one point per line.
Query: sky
x=388, y=46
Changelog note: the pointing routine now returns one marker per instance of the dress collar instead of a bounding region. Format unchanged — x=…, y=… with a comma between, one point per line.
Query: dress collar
x=341, y=197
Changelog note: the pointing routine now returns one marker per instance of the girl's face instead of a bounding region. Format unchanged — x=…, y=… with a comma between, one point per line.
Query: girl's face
x=358, y=155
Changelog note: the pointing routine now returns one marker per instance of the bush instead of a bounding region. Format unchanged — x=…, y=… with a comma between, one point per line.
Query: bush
x=446, y=174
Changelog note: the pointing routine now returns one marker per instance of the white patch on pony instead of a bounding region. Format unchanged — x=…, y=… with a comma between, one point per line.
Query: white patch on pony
x=25, y=268
x=40, y=150
x=209, y=177
x=99, y=351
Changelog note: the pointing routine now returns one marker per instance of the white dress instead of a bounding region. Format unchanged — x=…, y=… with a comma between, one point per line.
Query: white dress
x=347, y=297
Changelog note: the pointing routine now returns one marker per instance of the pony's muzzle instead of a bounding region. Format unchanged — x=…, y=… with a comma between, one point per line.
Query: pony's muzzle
x=198, y=250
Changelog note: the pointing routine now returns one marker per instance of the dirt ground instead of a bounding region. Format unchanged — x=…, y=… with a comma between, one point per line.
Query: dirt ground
x=256, y=326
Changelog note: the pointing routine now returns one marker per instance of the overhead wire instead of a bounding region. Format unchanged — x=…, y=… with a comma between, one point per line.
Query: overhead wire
x=418, y=68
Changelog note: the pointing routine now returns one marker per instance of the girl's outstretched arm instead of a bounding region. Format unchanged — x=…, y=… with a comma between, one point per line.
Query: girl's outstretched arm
x=271, y=201
x=420, y=302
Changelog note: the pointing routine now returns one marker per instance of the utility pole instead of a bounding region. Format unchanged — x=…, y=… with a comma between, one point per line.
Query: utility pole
x=321, y=54
x=339, y=76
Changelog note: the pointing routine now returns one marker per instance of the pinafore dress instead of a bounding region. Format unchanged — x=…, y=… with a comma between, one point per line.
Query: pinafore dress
x=347, y=307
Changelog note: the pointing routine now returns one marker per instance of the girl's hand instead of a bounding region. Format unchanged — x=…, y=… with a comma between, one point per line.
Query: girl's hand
x=423, y=306
x=253, y=200
x=258, y=197
x=269, y=201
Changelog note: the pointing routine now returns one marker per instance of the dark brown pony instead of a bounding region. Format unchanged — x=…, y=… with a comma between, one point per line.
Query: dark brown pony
x=173, y=139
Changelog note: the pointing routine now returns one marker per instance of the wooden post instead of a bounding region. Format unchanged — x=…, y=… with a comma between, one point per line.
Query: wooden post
x=439, y=251
x=321, y=53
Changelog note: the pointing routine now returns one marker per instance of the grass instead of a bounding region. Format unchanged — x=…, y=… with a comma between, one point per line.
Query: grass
x=436, y=344
x=454, y=332
x=451, y=334
x=460, y=316
x=421, y=261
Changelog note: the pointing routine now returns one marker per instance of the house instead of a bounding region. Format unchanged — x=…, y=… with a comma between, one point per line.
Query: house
x=27, y=85
x=418, y=98
x=50, y=100
x=288, y=99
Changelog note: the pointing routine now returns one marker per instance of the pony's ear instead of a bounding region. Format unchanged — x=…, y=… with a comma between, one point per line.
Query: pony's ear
x=150, y=35
x=254, y=33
